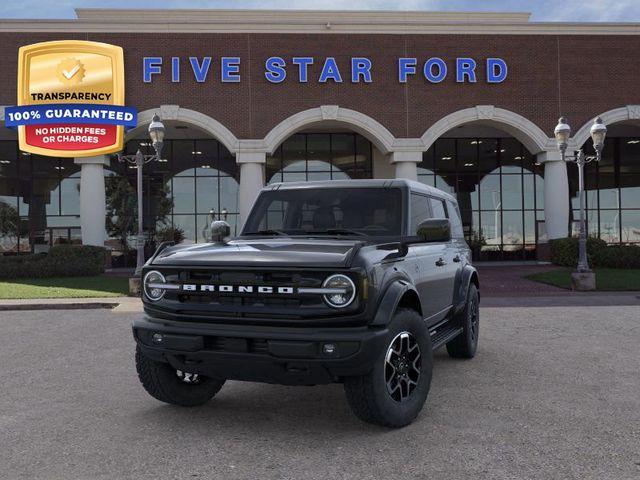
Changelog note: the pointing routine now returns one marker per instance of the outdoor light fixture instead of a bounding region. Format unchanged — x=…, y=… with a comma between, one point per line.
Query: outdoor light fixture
x=156, y=133
x=562, y=133
x=598, y=132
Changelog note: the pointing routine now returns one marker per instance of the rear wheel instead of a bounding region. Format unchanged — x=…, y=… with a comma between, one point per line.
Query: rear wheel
x=395, y=390
x=176, y=387
x=466, y=344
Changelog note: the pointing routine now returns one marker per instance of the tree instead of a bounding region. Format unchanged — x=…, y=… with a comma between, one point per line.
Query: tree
x=122, y=208
x=9, y=221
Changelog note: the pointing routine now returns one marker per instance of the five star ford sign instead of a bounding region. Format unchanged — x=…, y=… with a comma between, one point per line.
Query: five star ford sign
x=70, y=99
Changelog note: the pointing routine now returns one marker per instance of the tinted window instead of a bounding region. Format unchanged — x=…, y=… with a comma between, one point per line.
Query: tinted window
x=456, y=222
x=419, y=211
x=437, y=206
x=372, y=211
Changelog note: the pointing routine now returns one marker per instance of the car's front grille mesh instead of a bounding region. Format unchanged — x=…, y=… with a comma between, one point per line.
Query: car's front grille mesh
x=246, y=304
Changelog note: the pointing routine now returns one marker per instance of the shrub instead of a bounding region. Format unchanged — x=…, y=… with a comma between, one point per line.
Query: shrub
x=61, y=261
x=564, y=252
x=170, y=234
x=618, y=256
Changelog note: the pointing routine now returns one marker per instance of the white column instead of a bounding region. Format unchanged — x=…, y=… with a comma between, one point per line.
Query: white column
x=556, y=194
x=251, y=181
x=406, y=164
x=93, y=208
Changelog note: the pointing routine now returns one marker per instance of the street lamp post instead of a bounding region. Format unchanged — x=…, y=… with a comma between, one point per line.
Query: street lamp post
x=156, y=133
x=598, y=132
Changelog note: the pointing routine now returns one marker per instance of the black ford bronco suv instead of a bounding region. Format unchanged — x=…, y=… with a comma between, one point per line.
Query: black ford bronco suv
x=354, y=281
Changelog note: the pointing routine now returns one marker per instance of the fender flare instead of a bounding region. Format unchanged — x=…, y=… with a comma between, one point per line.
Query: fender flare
x=469, y=275
x=390, y=300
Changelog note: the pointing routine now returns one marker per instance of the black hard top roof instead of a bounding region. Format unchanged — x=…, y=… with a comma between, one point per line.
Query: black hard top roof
x=372, y=183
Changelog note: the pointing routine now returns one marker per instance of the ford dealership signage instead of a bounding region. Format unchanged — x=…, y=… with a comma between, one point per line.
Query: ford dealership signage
x=323, y=70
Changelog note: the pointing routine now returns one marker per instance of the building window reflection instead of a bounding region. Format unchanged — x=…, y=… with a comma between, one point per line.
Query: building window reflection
x=499, y=191
x=320, y=156
x=200, y=180
x=612, y=192
x=39, y=201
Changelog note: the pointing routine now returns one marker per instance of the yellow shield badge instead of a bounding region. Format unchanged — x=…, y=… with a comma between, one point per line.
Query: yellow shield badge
x=71, y=99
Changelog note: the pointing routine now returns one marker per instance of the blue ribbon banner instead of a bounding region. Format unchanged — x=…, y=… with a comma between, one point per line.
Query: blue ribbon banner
x=70, y=113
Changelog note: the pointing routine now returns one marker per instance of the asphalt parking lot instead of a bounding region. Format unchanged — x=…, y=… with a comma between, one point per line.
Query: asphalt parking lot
x=553, y=393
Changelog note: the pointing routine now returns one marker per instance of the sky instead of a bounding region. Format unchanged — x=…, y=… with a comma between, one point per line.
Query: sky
x=542, y=10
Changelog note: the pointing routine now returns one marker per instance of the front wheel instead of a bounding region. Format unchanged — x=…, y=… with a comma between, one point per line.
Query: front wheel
x=395, y=390
x=176, y=387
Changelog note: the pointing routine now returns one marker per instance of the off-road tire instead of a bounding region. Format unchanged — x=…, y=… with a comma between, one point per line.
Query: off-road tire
x=466, y=344
x=368, y=395
x=162, y=382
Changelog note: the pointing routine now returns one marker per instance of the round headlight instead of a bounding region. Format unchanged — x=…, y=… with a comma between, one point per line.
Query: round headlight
x=151, y=279
x=345, y=291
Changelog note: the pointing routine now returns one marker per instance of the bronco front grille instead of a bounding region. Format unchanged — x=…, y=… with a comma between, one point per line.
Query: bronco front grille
x=246, y=294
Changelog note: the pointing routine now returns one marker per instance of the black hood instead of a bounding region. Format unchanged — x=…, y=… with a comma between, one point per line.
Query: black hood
x=276, y=252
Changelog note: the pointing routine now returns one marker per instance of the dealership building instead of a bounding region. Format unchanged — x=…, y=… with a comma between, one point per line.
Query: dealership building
x=466, y=102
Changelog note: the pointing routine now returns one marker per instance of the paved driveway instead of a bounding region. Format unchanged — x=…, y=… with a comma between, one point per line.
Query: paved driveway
x=553, y=393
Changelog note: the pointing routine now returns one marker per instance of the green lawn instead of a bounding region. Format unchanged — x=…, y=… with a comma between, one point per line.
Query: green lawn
x=70, y=287
x=607, y=279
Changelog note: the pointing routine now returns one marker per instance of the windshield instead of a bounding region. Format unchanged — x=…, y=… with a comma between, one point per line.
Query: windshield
x=327, y=211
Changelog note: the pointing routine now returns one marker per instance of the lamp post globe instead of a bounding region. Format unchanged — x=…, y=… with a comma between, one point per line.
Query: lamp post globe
x=598, y=133
x=562, y=133
x=156, y=133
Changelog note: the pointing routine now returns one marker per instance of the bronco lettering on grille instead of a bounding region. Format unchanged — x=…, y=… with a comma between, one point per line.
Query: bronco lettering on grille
x=266, y=289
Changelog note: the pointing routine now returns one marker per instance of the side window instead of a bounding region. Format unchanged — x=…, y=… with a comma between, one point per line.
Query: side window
x=437, y=206
x=419, y=212
x=456, y=221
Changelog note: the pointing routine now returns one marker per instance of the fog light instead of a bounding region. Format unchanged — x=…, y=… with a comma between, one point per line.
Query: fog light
x=157, y=338
x=329, y=348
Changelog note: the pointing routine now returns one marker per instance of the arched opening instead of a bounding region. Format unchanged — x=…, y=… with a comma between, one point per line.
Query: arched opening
x=39, y=199
x=327, y=143
x=498, y=185
x=196, y=182
x=612, y=186
x=321, y=153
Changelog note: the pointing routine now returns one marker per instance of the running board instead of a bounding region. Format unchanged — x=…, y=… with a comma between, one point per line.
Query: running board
x=444, y=335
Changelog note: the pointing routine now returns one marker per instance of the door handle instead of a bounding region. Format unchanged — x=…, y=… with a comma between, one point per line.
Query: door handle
x=456, y=258
x=440, y=262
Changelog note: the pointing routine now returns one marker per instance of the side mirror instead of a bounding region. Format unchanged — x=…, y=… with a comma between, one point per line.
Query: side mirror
x=435, y=230
x=220, y=231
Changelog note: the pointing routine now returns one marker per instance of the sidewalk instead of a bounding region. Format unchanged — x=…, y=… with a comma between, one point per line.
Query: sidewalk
x=120, y=304
x=508, y=281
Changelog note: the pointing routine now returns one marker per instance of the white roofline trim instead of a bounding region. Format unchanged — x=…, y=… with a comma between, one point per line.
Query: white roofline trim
x=311, y=21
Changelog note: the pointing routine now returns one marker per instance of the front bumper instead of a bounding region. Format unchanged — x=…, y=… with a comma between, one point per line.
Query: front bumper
x=282, y=355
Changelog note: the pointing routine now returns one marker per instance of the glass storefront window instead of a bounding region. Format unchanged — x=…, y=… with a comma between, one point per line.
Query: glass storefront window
x=512, y=192
x=499, y=188
x=320, y=156
x=612, y=190
x=630, y=224
x=630, y=190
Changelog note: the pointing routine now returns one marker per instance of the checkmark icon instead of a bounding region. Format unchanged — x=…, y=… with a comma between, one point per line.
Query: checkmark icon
x=71, y=73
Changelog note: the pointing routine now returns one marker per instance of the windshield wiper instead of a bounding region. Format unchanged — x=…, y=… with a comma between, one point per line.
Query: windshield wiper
x=338, y=231
x=267, y=232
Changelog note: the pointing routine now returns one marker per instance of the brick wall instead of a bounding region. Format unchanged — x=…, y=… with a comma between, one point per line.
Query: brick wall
x=578, y=76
